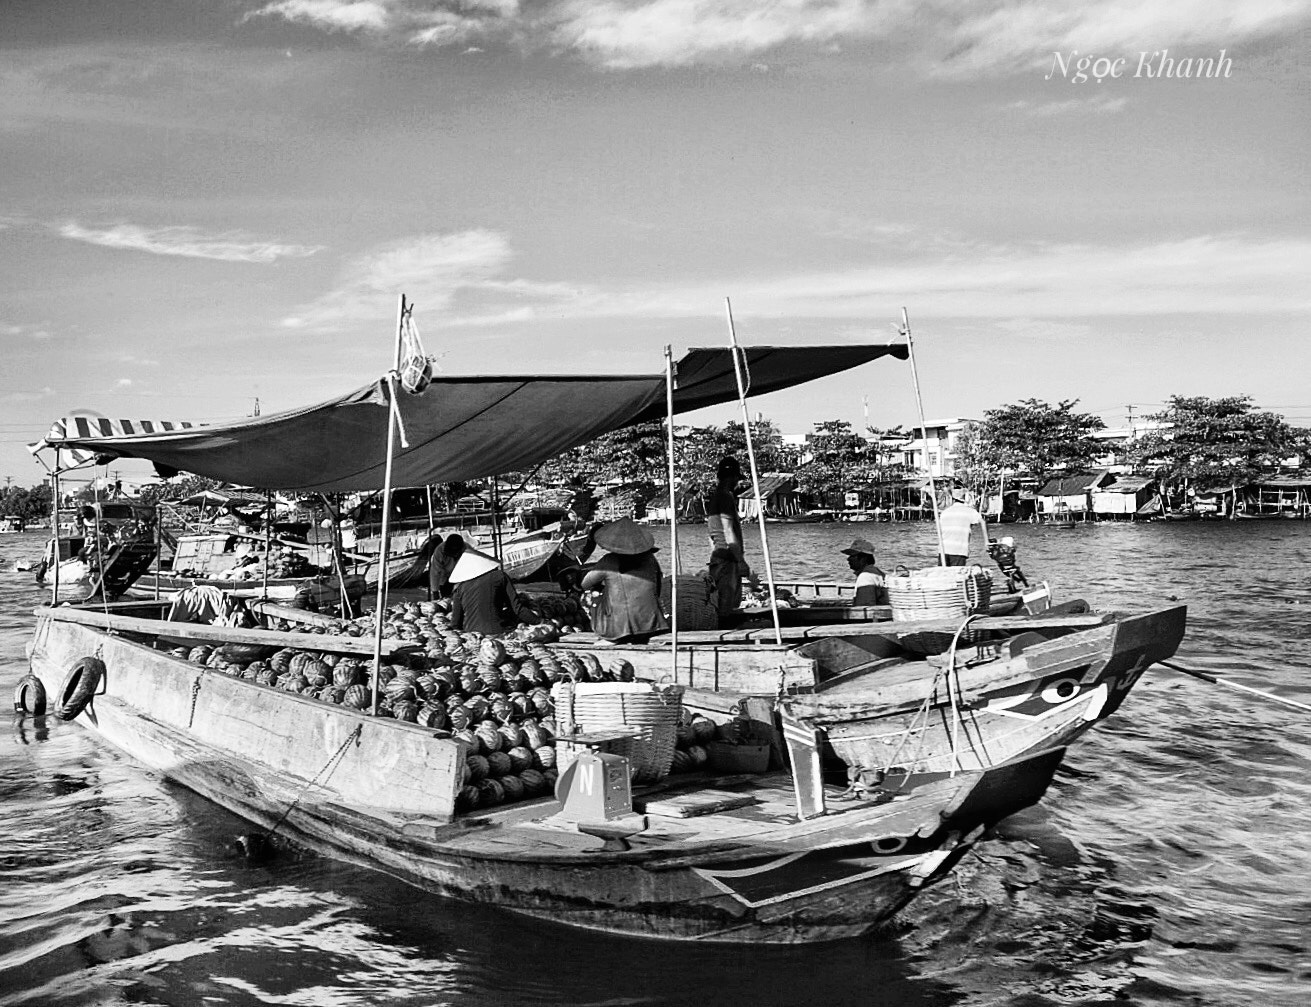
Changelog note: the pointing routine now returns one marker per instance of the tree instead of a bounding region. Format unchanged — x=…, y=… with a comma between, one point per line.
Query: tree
x=1038, y=438
x=31, y=504
x=839, y=460
x=1205, y=442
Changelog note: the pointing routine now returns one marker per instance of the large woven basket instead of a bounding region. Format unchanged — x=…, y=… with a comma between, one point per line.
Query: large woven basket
x=599, y=706
x=939, y=592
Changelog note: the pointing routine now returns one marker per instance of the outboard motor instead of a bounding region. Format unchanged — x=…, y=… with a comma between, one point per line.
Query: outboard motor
x=1002, y=552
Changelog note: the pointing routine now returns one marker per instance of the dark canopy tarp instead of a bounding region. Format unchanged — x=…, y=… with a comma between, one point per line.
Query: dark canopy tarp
x=461, y=428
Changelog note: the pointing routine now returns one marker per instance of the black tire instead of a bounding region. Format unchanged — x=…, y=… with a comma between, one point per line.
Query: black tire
x=78, y=688
x=30, y=696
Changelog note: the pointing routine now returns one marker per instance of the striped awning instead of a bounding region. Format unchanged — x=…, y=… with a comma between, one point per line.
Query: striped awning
x=85, y=428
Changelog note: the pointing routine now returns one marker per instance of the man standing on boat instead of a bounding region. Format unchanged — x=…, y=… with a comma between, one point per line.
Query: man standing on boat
x=957, y=523
x=728, y=565
x=871, y=585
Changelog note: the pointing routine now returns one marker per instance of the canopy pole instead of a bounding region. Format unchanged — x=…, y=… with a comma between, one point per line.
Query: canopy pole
x=924, y=436
x=384, y=547
x=54, y=524
x=159, y=542
x=673, y=519
x=268, y=538
x=755, y=474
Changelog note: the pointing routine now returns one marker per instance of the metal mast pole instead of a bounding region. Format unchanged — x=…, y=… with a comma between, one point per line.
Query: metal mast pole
x=755, y=474
x=673, y=519
x=385, y=545
x=924, y=435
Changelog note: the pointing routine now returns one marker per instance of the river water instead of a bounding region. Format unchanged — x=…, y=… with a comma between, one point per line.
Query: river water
x=1169, y=863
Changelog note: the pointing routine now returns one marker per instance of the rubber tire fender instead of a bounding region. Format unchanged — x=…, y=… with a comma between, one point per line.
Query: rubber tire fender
x=79, y=686
x=30, y=696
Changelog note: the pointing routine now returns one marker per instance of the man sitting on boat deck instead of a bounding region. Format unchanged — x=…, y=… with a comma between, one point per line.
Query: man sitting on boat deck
x=628, y=578
x=484, y=599
x=728, y=565
x=957, y=523
x=209, y=605
x=871, y=585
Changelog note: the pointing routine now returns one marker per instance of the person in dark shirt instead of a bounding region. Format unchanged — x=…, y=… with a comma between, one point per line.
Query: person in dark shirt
x=628, y=578
x=484, y=599
x=871, y=585
x=442, y=563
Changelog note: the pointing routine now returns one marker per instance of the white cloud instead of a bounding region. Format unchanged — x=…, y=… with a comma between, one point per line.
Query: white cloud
x=36, y=395
x=1216, y=274
x=331, y=15
x=928, y=37
x=26, y=331
x=1006, y=35
x=1098, y=104
x=430, y=269
x=186, y=241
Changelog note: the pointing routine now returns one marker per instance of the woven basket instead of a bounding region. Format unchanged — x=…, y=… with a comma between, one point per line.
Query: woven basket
x=940, y=592
x=599, y=706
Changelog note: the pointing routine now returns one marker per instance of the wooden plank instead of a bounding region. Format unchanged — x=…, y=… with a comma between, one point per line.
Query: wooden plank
x=890, y=629
x=700, y=802
x=739, y=667
x=275, y=611
x=223, y=634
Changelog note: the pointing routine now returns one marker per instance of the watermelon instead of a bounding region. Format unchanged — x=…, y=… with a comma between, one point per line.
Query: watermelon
x=513, y=787
x=490, y=735
x=356, y=697
x=499, y=764
x=521, y=758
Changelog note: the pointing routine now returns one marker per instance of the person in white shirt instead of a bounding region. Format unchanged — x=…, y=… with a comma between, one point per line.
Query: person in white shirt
x=957, y=523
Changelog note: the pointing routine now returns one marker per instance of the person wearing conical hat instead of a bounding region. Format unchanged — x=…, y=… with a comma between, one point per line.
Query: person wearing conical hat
x=871, y=585
x=483, y=599
x=628, y=579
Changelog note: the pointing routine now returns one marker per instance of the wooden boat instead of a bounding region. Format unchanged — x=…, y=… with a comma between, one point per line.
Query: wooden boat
x=382, y=793
x=116, y=547
x=784, y=857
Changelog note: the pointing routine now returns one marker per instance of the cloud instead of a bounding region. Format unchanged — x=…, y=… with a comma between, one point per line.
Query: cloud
x=1098, y=104
x=1010, y=35
x=1014, y=283
x=929, y=37
x=430, y=269
x=25, y=331
x=422, y=24
x=1036, y=290
x=186, y=241
x=37, y=395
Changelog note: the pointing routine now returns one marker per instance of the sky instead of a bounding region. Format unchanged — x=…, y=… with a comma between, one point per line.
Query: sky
x=205, y=204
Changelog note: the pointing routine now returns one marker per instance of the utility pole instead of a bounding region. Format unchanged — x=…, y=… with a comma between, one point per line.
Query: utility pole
x=1130, y=408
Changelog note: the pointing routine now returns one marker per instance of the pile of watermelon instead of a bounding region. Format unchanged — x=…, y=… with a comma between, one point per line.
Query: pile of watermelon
x=491, y=693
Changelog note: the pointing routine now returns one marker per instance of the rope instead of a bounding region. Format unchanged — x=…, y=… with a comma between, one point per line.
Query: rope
x=921, y=716
x=953, y=694
x=335, y=758
x=195, y=693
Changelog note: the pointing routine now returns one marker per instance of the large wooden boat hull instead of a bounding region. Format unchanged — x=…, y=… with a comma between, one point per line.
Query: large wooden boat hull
x=380, y=793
